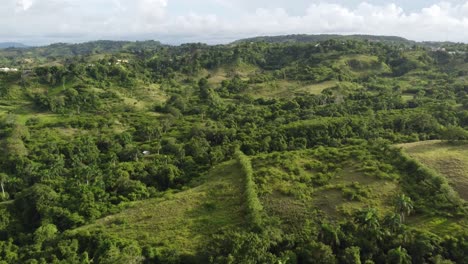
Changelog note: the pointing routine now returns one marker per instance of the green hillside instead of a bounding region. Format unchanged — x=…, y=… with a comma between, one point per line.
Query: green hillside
x=324, y=37
x=336, y=182
x=294, y=187
x=182, y=221
x=343, y=150
x=449, y=160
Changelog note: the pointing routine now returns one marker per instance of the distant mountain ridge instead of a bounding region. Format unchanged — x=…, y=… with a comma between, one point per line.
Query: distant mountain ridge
x=303, y=38
x=5, y=45
x=99, y=46
x=10, y=50
x=112, y=46
x=87, y=48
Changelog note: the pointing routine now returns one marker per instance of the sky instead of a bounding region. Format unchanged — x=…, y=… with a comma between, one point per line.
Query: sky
x=38, y=22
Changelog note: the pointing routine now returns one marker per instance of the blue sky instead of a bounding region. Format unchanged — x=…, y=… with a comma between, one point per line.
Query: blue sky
x=221, y=21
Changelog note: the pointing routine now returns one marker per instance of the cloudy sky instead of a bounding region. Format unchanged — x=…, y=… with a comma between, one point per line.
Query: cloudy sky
x=221, y=21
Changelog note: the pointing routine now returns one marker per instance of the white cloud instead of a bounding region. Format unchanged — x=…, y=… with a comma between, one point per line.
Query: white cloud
x=97, y=19
x=443, y=21
x=23, y=5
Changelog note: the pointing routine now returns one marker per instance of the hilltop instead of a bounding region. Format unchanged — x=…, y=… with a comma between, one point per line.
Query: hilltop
x=16, y=54
x=302, y=38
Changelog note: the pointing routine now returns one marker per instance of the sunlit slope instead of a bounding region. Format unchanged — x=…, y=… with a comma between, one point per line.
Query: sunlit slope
x=332, y=182
x=186, y=220
x=448, y=159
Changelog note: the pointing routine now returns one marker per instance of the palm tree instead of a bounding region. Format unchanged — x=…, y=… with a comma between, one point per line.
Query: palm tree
x=3, y=180
x=369, y=219
x=404, y=206
x=330, y=234
x=393, y=222
x=399, y=256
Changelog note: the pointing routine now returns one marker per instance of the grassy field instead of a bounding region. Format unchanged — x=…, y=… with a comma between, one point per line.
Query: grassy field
x=216, y=76
x=183, y=221
x=317, y=88
x=296, y=186
x=439, y=225
x=293, y=186
x=449, y=160
x=287, y=89
x=335, y=200
x=407, y=97
x=362, y=65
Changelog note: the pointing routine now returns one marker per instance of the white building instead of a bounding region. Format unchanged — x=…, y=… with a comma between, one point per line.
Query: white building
x=122, y=61
x=8, y=69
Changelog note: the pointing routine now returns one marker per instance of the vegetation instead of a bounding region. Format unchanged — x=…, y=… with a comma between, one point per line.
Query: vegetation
x=182, y=222
x=324, y=37
x=284, y=150
x=254, y=207
x=447, y=159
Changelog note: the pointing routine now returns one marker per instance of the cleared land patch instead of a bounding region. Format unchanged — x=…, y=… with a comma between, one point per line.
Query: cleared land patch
x=449, y=160
x=294, y=186
x=283, y=88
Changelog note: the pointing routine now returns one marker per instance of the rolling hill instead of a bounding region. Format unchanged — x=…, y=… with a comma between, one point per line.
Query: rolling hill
x=4, y=45
x=185, y=221
x=293, y=187
x=137, y=152
x=323, y=37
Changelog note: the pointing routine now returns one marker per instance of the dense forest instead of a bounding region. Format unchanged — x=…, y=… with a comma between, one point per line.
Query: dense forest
x=253, y=152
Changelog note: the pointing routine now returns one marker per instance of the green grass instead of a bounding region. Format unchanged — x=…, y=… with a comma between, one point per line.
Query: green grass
x=295, y=185
x=449, y=160
x=380, y=192
x=183, y=221
x=243, y=70
x=318, y=87
x=23, y=111
x=362, y=65
x=217, y=77
x=439, y=225
x=407, y=97
x=336, y=182
x=287, y=89
x=144, y=96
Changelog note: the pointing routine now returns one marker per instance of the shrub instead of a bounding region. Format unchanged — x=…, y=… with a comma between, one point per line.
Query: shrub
x=254, y=207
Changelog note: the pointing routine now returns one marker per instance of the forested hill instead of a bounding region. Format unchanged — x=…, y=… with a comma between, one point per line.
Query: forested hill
x=4, y=45
x=302, y=38
x=18, y=55
x=81, y=49
x=349, y=151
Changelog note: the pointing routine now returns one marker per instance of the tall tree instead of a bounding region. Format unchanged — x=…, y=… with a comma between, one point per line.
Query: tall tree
x=3, y=180
x=404, y=206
